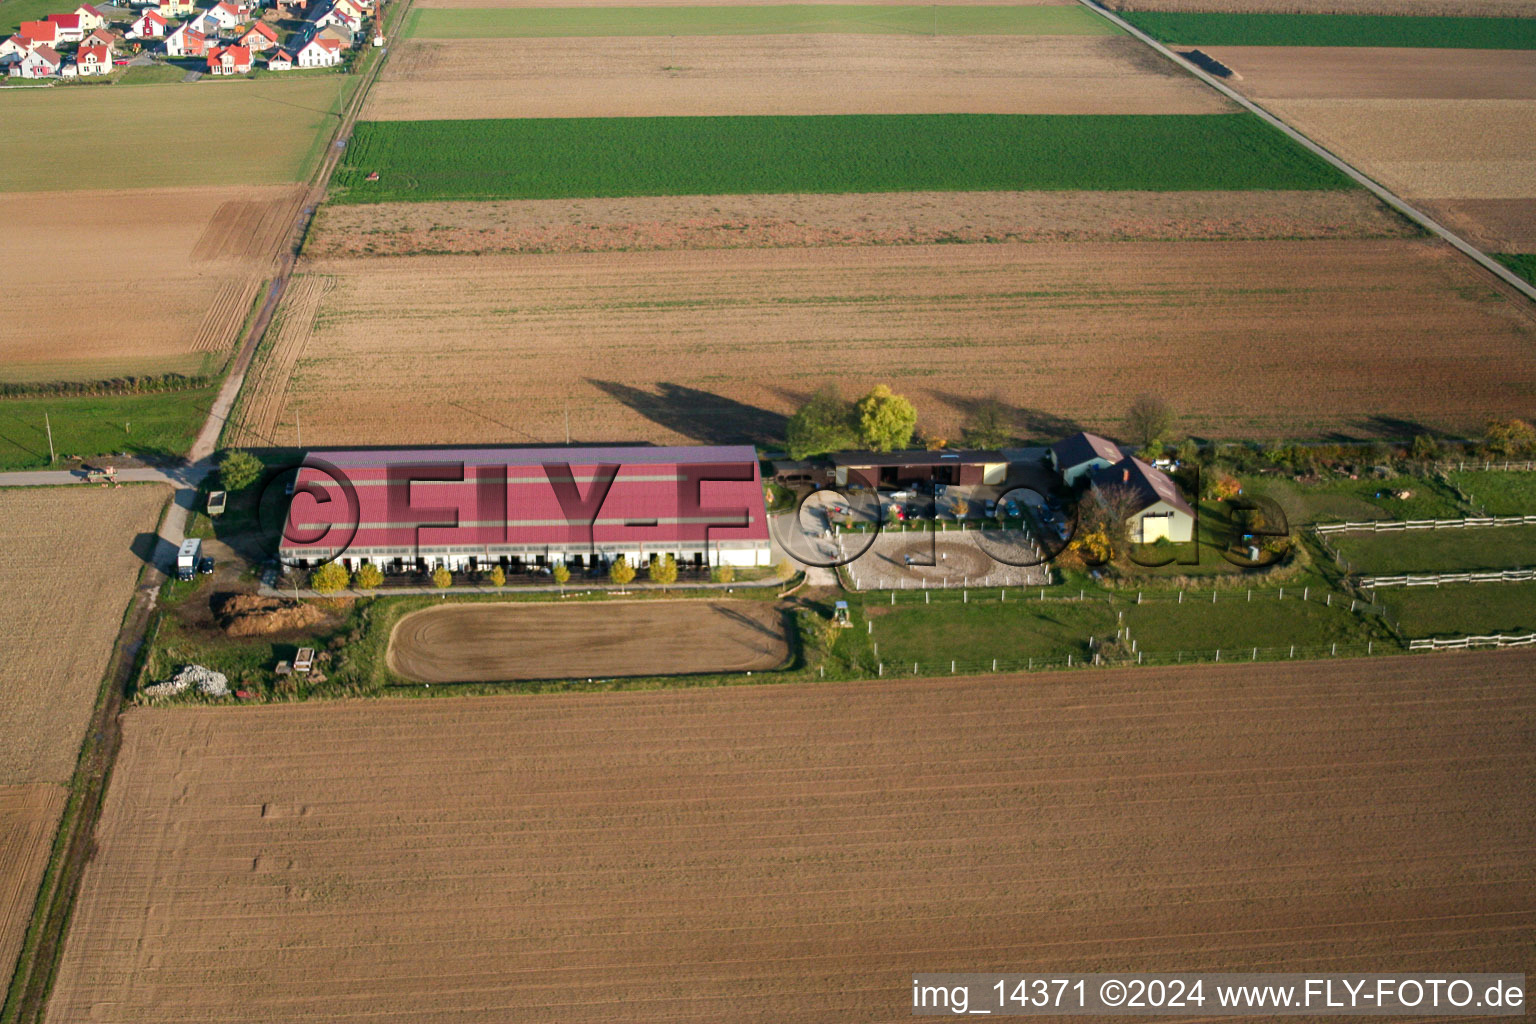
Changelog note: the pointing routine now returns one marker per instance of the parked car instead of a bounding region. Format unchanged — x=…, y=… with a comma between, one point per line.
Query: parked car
x=205, y=567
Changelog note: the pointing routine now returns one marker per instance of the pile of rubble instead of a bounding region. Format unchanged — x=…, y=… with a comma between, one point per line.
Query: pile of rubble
x=208, y=682
x=251, y=615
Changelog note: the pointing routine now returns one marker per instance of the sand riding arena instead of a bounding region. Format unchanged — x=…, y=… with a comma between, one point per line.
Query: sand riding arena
x=897, y=560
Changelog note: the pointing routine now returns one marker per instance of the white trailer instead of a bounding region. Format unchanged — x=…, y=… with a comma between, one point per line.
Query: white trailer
x=186, y=558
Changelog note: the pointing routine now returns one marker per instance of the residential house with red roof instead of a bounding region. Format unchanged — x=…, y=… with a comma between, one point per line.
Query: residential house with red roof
x=319, y=53
x=226, y=16
x=1150, y=501
x=260, y=37
x=94, y=60
x=339, y=33
x=229, y=60
x=40, y=62
x=149, y=25
x=186, y=41
x=67, y=28
x=13, y=49
x=175, y=8
x=98, y=37
x=39, y=33
x=281, y=60
x=90, y=17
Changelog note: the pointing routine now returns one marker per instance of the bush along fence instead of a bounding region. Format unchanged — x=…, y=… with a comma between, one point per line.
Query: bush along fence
x=1390, y=525
x=1463, y=642
x=1435, y=579
x=149, y=385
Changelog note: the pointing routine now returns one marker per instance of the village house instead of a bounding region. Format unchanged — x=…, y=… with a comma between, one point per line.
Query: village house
x=91, y=18
x=282, y=60
x=39, y=33
x=259, y=38
x=338, y=34
x=98, y=37
x=67, y=28
x=40, y=62
x=186, y=41
x=229, y=60
x=292, y=8
x=1079, y=455
x=1149, y=500
x=149, y=25
x=319, y=53
x=175, y=8
x=334, y=15
x=94, y=60
x=353, y=8
x=225, y=16
x=14, y=48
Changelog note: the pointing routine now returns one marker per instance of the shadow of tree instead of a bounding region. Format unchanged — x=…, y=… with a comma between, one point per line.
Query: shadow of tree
x=1025, y=423
x=699, y=415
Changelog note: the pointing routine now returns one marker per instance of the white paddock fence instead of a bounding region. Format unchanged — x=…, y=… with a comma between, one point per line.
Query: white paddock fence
x=1462, y=642
x=1390, y=525
x=1435, y=579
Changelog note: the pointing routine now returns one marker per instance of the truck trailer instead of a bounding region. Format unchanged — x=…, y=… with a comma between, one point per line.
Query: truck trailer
x=186, y=558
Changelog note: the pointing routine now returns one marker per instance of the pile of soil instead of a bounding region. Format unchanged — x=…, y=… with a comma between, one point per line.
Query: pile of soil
x=253, y=615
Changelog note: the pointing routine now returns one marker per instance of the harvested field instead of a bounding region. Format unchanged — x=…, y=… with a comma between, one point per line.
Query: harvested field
x=28, y=817
x=1466, y=149
x=145, y=137
x=790, y=854
x=1331, y=72
x=265, y=393
x=462, y=643
x=786, y=74
x=60, y=624
x=717, y=345
x=176, y=305
x=891, y=218
x=1494, y=225
x=1397, y=8
x=756, y=19
x=544, y=4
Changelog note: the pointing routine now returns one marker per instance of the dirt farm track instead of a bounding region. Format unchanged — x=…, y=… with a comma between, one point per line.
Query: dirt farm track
x=460, y=643
x=790, y=853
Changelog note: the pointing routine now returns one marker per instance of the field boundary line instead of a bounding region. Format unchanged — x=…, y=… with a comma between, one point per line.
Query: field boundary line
x=1435, y=579
x=1394, y=525
x=1381, y=192
x=1463, y=642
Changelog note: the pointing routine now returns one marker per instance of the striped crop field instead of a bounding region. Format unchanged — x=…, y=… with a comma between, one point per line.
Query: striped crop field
x=1211, y=29
x=790, y=19
x=556, y=158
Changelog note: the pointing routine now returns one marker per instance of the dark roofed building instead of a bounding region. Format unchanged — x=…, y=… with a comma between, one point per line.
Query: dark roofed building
x=1157, y=508
x=897, y=469
x=1076, y=456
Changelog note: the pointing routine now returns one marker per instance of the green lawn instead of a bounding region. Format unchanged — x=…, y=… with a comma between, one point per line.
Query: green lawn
x=1469, y=609
x=164, y=424
x=549, y=158
x=152, y=74
x=159, y=135
x=1233, y=622
x=502, y=23
x=1523, y=264
x=971, y=633
x=1342, y=499
x=14, y=12
x=1496, y=547
x=1498, y=492
x=1207, y=29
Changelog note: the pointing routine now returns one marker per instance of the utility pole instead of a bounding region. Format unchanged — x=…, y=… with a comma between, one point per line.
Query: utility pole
x=49, y=427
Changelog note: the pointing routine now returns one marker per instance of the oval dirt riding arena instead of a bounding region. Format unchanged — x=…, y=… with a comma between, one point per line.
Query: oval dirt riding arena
x=464, y=643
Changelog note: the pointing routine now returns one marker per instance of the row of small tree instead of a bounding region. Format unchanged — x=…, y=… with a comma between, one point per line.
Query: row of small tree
x=333, y=577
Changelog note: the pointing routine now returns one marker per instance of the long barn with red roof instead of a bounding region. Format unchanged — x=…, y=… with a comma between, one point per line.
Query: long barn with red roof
x=523, y=508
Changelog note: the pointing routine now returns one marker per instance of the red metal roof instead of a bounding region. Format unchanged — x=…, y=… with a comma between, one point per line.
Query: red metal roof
x=522, y=496
x=65, y=20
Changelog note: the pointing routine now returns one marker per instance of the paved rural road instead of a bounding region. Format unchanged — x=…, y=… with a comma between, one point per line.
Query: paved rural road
x=1381, y=192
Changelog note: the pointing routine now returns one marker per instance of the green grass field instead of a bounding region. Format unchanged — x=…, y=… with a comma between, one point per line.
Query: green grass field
x=14, y=12
x=1497, y=547
x=1499, y=493
x=550, y=158
x=1355, y=500
x=165, y=135
x=164, y=424
x=1523, y=264
x=853, y=19
x=1188, y=29
x=153, y=74
x=1468, y=609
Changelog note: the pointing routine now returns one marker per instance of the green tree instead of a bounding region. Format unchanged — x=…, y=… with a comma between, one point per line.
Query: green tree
x=663, y=570
x=1148, y=421
x=1510, y=438
x=238, y=469
x=368, y=577
x=722, y=574
x=1425, y=448
x=885, y=420
x=498, y=577
x=329, y=578
x=785, y=570
x=562, y=573
x=441, y=578
x=823, y=424
x=989, y=426
x=621, y=572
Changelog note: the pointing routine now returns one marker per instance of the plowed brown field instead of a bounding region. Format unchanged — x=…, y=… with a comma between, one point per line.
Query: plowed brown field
x=894, y=218
x=796, y=74
x=28, y=816
x=792, y=854
x=477, y=642
x=1494, y=225
x=1333, y=72
x=716, y=3
x=74, y=556
x=1244, y=338
x=134, y=282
